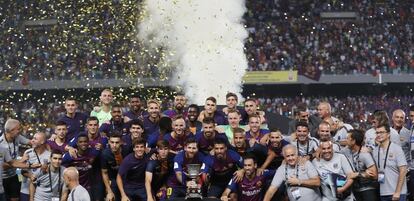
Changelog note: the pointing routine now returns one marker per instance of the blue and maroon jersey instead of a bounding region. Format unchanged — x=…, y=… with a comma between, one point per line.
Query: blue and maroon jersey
x=206, y=145
x=279, y=154
x=262, y=133
x=153, y=139
x=54, y=146
x=132, y=171
x=132, y=115
x=251, y=190
x=84, y=164
x=180, y=165
x=92, y=142
x=109, y=127
x=162, y=171
x=149, y=126
x=75, y=125
x=219, y=118
x=221, y=171
x=172, y=113
x=177, y=144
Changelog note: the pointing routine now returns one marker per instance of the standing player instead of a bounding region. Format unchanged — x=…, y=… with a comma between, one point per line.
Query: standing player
x=111, y=159
x=135, y=109
x=179, y=107
x=131, y=174
x=75, y=121
x=103, y=113
x=59, y=143
x=82, y=160
x=205, y=138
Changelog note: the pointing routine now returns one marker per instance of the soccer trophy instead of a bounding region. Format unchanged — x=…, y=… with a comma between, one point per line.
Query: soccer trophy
x=193, y=188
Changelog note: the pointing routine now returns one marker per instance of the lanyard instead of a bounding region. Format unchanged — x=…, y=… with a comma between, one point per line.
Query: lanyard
x=51, y=183
x=13, y=155
x=307, y=148
x=37, y=156
x=286, y=171
x=386, y=156
x=355, y=160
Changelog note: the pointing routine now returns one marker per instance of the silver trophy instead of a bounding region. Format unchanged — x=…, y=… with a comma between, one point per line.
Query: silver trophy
x=193, y=191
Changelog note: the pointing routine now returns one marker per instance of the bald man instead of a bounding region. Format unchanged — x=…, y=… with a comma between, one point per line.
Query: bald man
x=77, y=192
x=324, y=110
x=37, y=154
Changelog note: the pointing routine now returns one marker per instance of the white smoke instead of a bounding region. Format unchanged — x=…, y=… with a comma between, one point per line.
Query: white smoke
x=205, y=41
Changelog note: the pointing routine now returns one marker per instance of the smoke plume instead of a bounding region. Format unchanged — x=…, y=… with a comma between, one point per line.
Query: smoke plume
x=202, y=40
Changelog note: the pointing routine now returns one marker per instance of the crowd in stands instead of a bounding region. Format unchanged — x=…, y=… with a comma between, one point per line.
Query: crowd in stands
x=98, y=40
x=285, y=36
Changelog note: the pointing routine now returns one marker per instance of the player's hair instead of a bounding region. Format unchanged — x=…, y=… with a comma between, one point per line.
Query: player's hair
x=209, y=120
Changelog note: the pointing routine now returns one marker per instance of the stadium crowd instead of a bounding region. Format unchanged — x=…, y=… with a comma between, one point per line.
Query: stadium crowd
x=98, y=40
x=145, y=153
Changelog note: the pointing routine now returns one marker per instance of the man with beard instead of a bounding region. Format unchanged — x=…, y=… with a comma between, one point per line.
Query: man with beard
x=59, y=143
x=151, y=122
x=116, y=123
x=111, y=159
x=38, y=154
x=243, y=147
x=165, y=128
x=136, y=131
x=210, y=110
x=75, y=121
x=83, y=160
x=131, y=174
x=392, y=166
x=205, y=139
x=250, y=106
x=255, y=132
x=223, y=164
x=48, y=184
x=324, y=133
x=135, y=109
x=305, y=144
x=190, y=155
x=179, y=103
x=178, y=136
x=158, y=172
x=302, y=180
x=192, y=119
x=333, y=169
x=98, y=143
x=103, y=113
x=251, y=185
x=302, y=114
x=275, y=146
x=365, y=171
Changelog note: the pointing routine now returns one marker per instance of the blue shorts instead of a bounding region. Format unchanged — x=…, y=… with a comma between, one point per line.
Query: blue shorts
x=136, y=194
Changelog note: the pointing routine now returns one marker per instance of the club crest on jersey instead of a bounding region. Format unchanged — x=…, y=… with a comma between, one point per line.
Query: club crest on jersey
x=259, y=184
x=335, y=165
